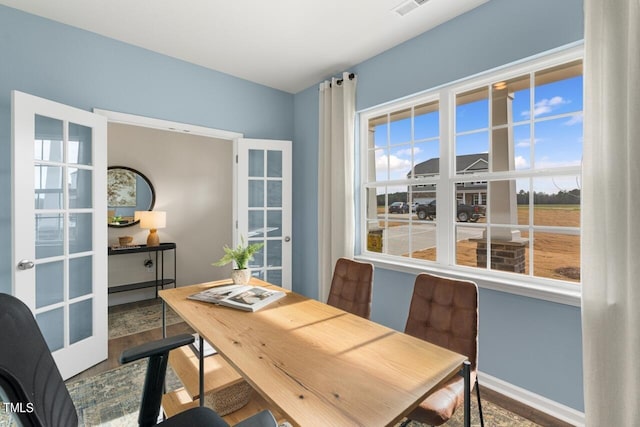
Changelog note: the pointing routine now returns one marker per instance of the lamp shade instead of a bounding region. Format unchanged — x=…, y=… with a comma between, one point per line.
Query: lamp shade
x=151, y=219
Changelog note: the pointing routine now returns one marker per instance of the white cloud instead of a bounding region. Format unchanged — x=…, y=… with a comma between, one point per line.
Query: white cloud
x=546, y=105
x=406, y=152
x=394, y=163
x=521, y=163
x=527, y=142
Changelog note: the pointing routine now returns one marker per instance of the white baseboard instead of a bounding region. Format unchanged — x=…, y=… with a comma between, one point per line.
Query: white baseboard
x=548, y=406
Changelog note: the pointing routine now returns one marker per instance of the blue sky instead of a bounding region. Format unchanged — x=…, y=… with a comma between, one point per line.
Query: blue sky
x=556, y=135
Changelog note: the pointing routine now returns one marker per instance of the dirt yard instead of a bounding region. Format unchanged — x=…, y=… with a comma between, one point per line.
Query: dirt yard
x=557, y=256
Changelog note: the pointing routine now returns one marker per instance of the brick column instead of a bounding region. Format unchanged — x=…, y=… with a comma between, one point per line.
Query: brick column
x=505, y=255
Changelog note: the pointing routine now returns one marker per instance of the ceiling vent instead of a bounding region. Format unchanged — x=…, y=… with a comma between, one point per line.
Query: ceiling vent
x=407, y=6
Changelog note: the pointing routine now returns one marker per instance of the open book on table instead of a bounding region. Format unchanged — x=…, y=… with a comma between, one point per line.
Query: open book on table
x=248, y=298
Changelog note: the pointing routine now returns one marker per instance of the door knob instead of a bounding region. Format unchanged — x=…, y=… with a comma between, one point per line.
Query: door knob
x=287, y=239
x=25, y=264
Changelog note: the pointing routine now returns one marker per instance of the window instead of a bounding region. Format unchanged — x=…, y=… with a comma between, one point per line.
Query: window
x=501, y=154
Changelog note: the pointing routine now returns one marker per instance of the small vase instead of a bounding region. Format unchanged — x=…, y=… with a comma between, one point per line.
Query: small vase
x=241, y=277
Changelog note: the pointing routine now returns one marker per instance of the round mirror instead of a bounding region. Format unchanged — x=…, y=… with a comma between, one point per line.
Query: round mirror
x=127, y=191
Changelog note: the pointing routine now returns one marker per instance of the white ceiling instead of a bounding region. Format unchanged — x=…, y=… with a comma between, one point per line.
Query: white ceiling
x=284, y=44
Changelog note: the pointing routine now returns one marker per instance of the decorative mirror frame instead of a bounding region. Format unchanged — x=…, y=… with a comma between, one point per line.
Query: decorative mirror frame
x=127, y=197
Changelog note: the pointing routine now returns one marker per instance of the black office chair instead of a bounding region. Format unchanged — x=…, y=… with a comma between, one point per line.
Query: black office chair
x=29, y=375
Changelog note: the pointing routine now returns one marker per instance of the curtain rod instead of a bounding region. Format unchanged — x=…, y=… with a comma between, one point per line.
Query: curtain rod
x=339, y=81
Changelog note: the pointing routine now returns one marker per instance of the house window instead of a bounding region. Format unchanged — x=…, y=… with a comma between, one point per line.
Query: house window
x=501, y=154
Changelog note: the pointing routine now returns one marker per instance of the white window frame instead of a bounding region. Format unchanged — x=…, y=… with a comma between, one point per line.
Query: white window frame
x=527, y=285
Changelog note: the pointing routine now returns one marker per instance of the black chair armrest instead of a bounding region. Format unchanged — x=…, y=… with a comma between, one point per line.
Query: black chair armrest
x=155, y=347
x=261, y=419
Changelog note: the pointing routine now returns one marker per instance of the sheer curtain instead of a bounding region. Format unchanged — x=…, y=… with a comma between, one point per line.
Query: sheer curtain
x=611, y=213
x=336, y=221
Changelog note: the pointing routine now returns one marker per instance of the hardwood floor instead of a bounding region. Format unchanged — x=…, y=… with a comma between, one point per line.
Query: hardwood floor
x=117, y=345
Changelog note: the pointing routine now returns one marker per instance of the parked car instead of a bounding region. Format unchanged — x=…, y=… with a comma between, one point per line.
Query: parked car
x=398, y=207
x=465, y=212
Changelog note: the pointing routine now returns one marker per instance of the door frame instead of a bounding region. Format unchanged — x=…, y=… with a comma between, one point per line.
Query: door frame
x=178, y=127
x=182, y=128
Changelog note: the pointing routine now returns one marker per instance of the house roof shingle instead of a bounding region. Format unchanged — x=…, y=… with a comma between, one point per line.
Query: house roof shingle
x=465, y=162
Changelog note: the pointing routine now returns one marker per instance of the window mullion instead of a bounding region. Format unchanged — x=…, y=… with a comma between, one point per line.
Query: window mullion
x=444, y=229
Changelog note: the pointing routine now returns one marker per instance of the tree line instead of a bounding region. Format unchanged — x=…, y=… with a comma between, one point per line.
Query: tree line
x=571, y=197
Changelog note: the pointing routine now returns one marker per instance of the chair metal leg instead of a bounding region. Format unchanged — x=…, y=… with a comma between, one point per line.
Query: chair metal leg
x=479, y=403
x=201, y=369
x=466, y=373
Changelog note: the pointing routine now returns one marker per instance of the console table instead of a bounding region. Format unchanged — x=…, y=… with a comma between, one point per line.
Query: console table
x=160, y=280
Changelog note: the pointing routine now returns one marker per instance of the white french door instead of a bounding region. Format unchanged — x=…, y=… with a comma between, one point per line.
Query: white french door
x=263, y=211
x=59, y=226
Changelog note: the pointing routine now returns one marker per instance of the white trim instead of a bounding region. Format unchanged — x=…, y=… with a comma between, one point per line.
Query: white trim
x=148, y=122
x=564, y=292
x=533, y=400
x=560, y=292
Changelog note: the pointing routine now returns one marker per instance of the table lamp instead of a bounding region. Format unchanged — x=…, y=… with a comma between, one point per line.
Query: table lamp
x=152, y=220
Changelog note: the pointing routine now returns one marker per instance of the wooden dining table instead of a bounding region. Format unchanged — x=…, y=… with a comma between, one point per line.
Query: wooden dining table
x=319, y=365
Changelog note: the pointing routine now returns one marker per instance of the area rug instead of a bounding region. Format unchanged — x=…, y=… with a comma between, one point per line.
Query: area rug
x=139, y=319
x=494, y=416
x=112, y=398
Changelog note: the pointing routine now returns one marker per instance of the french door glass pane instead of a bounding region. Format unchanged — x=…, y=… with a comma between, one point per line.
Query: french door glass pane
x=80, y=232
x=258, y=257
x=49, y=232
x=256, y=193
x=256, y=222
x=274, y=223
x=80, y=276
x=48, y=139
x=274, y=164
x=256, y=163
x=49, y=283
x=274, y=253
x=48, y=187
x=79, y=184
x=79, y=149
x=80, y=320
x=51, y=325
x=274, y=194
x=274, y=277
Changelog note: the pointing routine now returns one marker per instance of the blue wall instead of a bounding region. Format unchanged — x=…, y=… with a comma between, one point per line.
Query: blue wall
x=84, y=70
x=530, y=343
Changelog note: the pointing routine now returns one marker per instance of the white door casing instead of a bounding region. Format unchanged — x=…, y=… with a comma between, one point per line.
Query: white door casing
x=263, y=205
x=59, y=215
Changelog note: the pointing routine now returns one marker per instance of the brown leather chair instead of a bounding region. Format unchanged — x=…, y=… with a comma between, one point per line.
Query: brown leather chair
x=351, y=287
x=444, y=312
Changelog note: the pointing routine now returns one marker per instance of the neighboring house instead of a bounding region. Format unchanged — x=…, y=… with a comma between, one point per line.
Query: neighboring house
x=474, y=193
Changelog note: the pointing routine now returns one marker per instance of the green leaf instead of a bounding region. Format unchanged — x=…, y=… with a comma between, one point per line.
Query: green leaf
x=241, y=255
